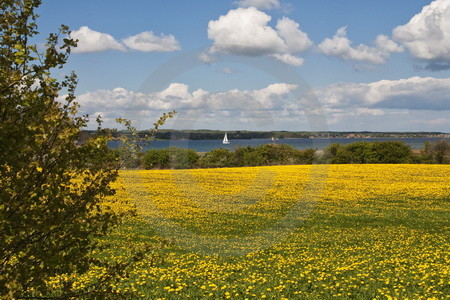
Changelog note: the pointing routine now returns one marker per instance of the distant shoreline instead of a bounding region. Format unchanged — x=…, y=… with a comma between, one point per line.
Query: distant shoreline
x=171, y=134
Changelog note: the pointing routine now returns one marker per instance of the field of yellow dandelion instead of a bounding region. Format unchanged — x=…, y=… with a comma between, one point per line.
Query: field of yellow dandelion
x=290, y=232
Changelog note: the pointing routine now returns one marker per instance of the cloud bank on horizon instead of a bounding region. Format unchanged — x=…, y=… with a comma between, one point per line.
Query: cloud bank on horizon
x=237, y=107
x=251, y=30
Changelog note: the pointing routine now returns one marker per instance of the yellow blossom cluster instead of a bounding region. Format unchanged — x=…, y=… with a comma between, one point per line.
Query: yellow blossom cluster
x=289, y=232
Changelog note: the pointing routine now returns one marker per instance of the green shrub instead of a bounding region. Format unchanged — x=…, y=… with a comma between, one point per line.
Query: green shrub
x=180, y=158
x=217, y=158
x=337, y=154
x=156, y=159
x=305, y=157
x=435, y=152
x=389, y=152
x=248, y=156
x=272, y=154
x=171, y=158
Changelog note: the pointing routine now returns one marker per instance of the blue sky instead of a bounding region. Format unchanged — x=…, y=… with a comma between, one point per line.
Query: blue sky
x=261, y=64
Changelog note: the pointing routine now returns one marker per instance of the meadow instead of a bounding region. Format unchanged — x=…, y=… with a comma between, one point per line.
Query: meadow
x=286, y=232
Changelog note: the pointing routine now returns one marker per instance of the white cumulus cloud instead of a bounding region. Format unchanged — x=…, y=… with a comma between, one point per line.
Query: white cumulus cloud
x=295, y=40
x=386, y=45
x=148, y=42
x=245, y=31
x=427, y=34
x=206, y=57
x=288, y=59
x=93, y=41
x=260, y=4
x=340, y=46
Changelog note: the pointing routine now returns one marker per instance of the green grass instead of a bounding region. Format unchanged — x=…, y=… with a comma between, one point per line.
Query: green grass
x=399, y=253
x=378, y=232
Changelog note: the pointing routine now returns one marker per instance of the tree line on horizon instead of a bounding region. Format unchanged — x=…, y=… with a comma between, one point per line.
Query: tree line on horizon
x=204, y=134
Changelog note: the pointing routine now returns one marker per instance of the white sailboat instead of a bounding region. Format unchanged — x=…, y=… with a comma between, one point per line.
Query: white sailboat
x=225, y=139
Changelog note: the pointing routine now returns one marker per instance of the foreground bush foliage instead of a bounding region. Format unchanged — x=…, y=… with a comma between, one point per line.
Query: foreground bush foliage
x=52, y=187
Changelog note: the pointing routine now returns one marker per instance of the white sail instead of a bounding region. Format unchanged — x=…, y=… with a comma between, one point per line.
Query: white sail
x=225, y=139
